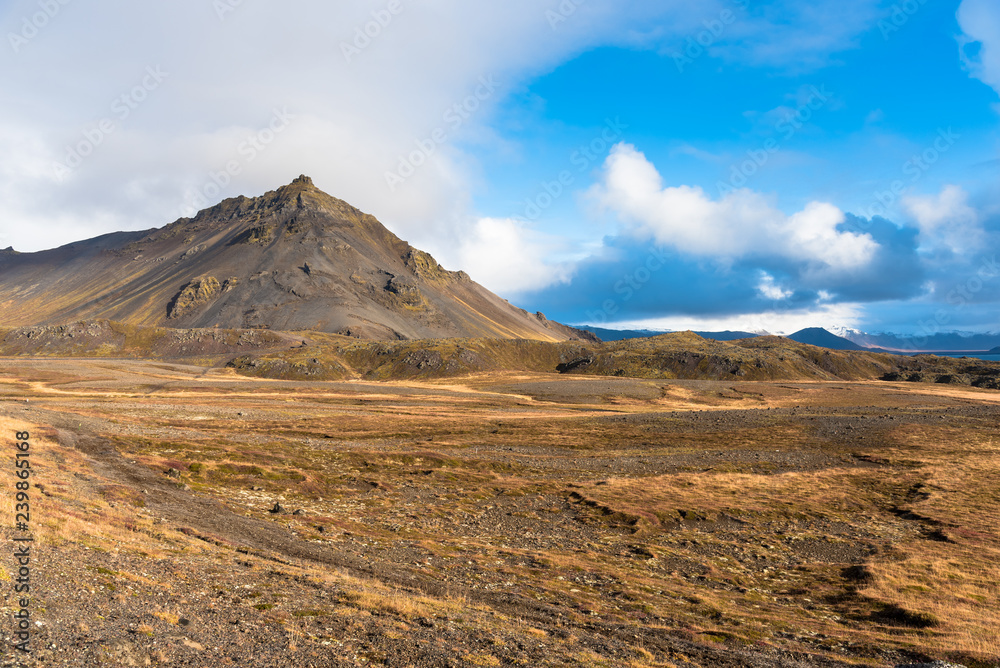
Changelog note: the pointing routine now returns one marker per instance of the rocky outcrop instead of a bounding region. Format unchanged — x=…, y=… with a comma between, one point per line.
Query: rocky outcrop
x=196, y=293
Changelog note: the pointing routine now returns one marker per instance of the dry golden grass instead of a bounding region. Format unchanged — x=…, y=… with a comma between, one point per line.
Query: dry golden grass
x=409, y=470
x=655, y=501
x=168, y=617
x=956, y=578
x=85, y=510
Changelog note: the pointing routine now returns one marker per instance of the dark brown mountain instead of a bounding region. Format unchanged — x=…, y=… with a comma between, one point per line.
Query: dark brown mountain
x=292, y=259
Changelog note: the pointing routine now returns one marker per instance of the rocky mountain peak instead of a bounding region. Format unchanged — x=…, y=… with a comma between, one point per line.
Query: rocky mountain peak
x=294, y=258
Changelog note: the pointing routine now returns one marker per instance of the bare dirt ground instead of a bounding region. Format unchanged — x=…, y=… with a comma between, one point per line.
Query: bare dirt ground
x=531, y=519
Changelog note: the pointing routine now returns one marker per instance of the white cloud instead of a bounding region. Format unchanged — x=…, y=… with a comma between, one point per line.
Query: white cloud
x=353, y=117
x=946, y=220
x=507, y=257
x=980, y=21
x=768, y=288
x=741, y=223
x=353, y=120
x=796, y=35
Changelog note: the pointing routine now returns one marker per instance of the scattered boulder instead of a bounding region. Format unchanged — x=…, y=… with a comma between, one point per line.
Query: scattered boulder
x=276, y=509
x=172, y=473
x=954, y=379
x=578, y=363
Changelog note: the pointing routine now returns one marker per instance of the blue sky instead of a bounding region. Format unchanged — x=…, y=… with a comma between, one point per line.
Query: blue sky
x=735, y=164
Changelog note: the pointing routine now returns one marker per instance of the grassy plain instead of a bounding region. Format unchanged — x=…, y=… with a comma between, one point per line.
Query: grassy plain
x=504, y=519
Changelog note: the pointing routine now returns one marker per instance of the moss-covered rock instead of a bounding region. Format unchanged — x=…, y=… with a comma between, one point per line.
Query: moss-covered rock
x=196, y=293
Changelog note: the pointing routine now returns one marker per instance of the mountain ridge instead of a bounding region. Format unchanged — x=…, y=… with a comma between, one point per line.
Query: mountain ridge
x=294, y=258
x=942, y=341
x=619, y=334
x=817, y=336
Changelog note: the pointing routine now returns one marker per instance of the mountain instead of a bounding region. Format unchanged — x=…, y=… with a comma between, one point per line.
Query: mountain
x=621, y=334
x=292, y=259
x=945, y=341
x=817, y=336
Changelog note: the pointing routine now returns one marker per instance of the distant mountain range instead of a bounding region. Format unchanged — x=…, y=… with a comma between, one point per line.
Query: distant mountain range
x=620, y=334
x=844, y=339
x=814, y=336
x=944, y=342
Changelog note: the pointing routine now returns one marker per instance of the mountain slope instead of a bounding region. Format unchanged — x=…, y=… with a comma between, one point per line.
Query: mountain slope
x=292, y=259
x=817, y=336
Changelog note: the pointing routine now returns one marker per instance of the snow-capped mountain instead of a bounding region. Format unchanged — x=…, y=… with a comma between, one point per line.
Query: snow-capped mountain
x=945, y=341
